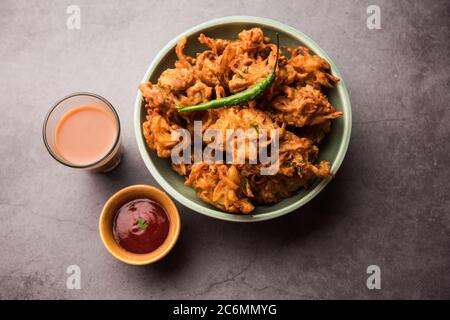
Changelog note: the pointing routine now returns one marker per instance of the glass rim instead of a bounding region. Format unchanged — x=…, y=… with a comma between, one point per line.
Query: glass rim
x=93, y=95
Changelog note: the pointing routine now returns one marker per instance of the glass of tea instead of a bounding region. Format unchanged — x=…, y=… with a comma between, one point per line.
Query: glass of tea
x=82, y=131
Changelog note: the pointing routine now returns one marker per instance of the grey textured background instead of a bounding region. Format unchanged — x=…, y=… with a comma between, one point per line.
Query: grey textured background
x=388, y=205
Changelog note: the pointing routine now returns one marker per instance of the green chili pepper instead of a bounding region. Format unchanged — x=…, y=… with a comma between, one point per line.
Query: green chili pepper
x=241, y=97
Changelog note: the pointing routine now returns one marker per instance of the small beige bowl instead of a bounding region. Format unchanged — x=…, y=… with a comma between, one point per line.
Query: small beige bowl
x=118, y=200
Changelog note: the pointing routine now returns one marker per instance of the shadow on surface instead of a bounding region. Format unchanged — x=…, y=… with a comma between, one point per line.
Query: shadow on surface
x=127, y=173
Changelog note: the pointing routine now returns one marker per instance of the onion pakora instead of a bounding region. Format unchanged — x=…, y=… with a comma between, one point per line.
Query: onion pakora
x=294, y=105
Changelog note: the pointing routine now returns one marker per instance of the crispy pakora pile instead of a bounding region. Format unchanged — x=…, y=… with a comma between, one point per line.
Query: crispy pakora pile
x=294, y=105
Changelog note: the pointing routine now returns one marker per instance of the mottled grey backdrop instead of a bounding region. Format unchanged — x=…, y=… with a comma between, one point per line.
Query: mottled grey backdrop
x=389, y=204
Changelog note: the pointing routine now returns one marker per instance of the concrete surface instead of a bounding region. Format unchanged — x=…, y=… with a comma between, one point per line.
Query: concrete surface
x=388, y=206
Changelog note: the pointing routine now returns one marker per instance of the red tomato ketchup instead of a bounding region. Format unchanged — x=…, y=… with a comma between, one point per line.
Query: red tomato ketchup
x=141, y=226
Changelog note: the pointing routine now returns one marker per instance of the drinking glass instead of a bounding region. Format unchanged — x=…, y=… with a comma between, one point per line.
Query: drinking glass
x=106, y=163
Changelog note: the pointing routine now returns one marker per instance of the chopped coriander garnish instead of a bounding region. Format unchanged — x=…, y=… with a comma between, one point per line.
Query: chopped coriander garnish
x=141, y=223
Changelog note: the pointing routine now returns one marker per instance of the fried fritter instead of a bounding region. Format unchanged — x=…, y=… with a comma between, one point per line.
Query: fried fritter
x=219, y=185
x=311, y=69
x=304, y=106
x=158, y=134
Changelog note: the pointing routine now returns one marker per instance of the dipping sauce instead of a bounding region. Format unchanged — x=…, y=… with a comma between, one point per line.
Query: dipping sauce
x=141, y=226
x=85, y=134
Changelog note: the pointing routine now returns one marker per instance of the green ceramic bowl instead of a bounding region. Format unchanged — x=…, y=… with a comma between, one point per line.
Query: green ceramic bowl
x=333, y=148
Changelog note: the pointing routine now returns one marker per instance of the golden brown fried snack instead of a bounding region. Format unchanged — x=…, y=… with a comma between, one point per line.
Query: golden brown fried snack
x=298, y=155
x=311, y=69
x=243, y=118
x=154, y=95
x=196, y=94
x=296, y=169
x=251, y=36
x=219, y=185
x=158, y=134
x=250, y=120
x=178, y=79
x=271, y=189
x=216, y=45
x=208, y=70
x=248, y=72
x=304, y=106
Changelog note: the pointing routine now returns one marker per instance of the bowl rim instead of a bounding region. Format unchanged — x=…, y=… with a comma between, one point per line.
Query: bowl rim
x=145, y=258
x=308, y=42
